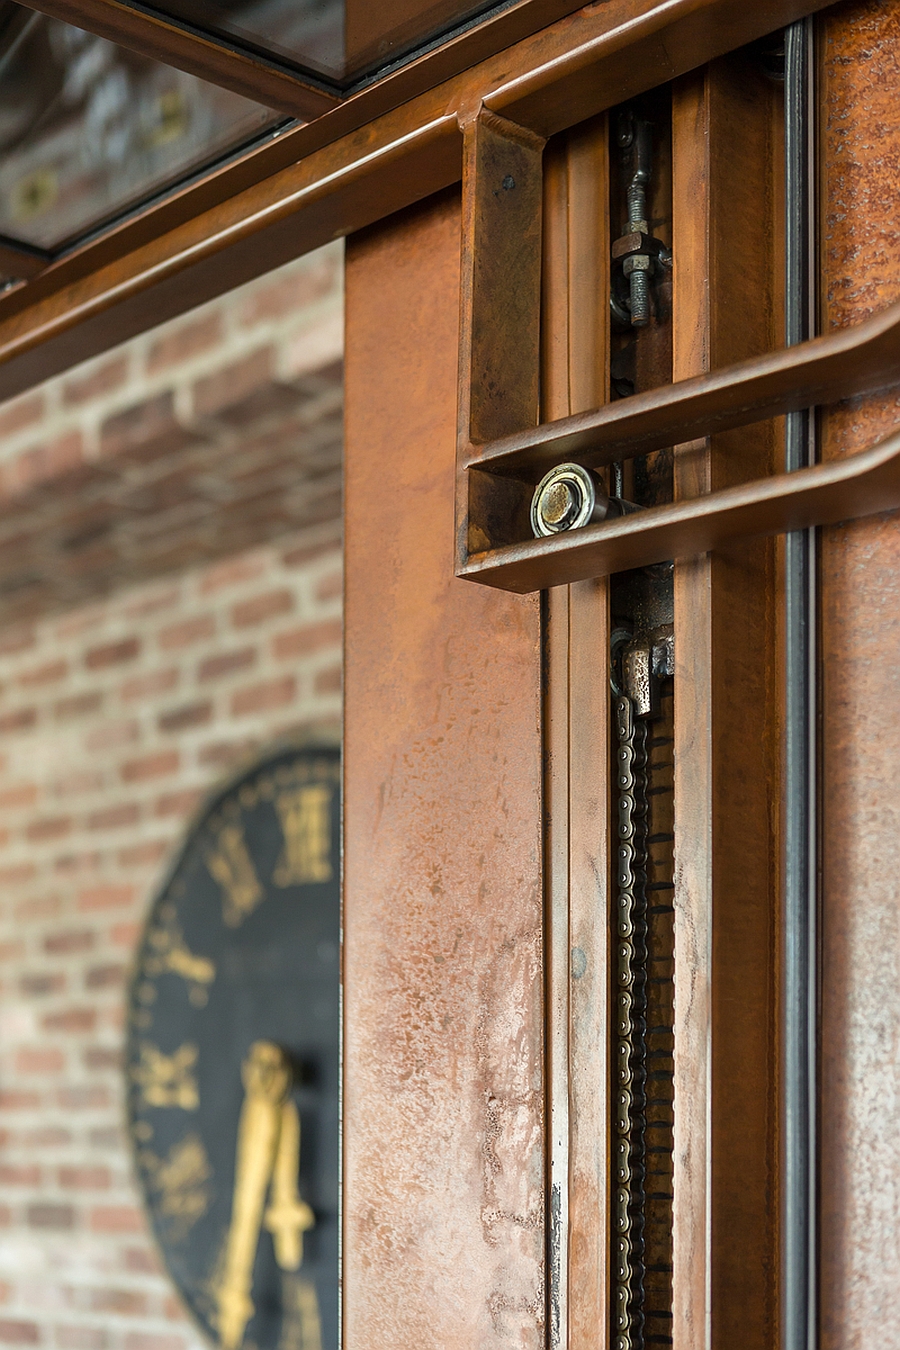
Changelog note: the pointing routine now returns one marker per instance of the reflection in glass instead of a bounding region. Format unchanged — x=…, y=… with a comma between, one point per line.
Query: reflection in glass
x=88, y=129
x=338, y=40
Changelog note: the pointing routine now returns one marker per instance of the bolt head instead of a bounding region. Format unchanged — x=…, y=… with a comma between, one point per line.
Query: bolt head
x=566, y=498
x=559, y=505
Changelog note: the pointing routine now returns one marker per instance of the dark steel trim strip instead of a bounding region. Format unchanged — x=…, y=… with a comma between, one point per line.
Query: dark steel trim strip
x=800, y=823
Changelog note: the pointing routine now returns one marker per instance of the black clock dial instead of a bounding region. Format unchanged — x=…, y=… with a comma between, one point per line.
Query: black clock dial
x=233, y=1060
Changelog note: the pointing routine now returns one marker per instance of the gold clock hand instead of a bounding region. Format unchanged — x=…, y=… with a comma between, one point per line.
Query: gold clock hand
x=302, y=1325
x=266, y=1076
x=288, y=1217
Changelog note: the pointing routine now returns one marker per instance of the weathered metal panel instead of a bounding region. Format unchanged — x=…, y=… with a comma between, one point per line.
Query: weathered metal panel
x=860, y=582
x=444, y=1143
x=726, y=742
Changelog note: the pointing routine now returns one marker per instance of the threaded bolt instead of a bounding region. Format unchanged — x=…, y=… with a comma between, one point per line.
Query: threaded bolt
x=640, y=299
x=637, y=270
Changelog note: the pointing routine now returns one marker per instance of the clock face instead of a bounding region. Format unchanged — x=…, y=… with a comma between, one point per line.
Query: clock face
x=233, y=1060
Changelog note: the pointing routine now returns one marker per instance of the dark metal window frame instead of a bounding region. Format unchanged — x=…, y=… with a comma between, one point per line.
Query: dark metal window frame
x=246, y=68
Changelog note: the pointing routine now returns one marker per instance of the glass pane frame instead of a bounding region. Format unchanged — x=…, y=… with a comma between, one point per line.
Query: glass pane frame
x=89, y=131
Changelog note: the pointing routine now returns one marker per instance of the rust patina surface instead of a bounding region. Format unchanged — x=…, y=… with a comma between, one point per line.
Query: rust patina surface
x=860, y=1112
x=727, y=768
x=443, y=1238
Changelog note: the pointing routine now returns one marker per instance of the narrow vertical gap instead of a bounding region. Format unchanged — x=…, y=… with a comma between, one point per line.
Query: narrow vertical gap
x=799, y=973
x=641, y=356
x=642, y=759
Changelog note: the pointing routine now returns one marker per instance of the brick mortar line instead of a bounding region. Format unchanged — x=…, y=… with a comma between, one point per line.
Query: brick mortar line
x=61, y=418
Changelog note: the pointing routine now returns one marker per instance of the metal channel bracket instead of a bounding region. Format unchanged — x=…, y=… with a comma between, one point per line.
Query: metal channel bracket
x=498, y=471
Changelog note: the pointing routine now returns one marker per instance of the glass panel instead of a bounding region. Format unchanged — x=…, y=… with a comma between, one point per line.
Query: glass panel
x=340, y=40
x=88, y=129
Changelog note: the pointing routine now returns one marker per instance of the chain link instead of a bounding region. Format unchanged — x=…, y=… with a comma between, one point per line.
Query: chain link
x=630, y=1037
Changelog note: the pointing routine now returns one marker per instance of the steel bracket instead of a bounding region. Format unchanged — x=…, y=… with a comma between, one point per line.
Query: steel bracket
x=503, y=452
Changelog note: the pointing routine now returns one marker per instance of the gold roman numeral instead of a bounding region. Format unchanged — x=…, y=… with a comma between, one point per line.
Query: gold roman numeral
x=305, y=815
x=231, y=866
x=168, y=1080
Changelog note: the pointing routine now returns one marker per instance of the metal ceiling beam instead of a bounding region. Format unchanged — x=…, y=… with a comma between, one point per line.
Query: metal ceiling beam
x=351, y=167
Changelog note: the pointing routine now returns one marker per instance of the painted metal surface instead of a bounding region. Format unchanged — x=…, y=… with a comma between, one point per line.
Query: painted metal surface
x=444, y=1134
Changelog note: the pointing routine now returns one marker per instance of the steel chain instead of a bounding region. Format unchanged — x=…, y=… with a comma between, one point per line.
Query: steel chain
x=631, y=1006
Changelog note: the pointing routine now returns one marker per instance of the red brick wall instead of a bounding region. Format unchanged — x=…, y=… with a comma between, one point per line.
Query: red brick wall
x=203, y=437
x=200, y=623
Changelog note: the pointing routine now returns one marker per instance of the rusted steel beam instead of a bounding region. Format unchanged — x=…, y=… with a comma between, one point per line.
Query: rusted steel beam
x=500, y=286
x=500, y=294
x=858, y=583
x=863, y=484
x=842, y=364
x=354, y=165
x=443, y=1200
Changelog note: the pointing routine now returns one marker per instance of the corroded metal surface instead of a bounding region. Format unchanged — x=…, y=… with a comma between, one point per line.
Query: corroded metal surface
x=860, y=1172
x=371, y=156
x=444, y=1144
x=727, y=771
x=574, y=338
x=500, y=332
